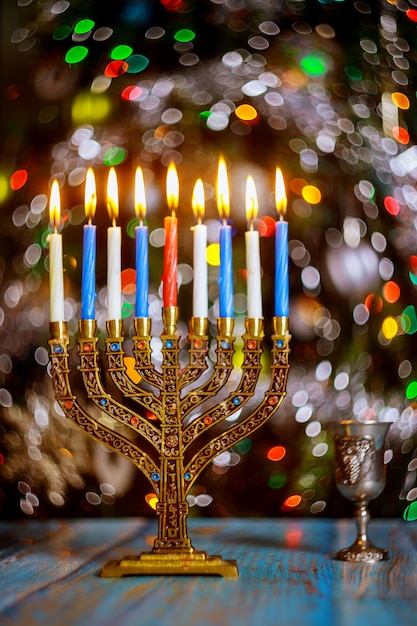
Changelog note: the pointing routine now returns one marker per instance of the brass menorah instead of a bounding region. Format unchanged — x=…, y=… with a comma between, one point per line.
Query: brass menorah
x=173, y=451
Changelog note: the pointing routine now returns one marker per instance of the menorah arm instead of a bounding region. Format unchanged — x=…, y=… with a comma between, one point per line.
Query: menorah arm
x=221, y=372
x=198, y=350
x=143, y=352
x=251, y=368
x=73, y=411
x=90, y=372
x=273, y=398
x=117, y=370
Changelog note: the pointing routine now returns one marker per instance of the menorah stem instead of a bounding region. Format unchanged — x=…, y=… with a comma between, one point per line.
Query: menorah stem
x=172, y=508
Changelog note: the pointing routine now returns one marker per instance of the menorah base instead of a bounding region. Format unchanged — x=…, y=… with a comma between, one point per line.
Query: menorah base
x=176, y=564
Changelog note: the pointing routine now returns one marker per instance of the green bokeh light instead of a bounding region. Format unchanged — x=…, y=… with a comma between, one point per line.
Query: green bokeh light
x=353, y=73
x=127, y=309
x=276, y=481
x=137, y=63
x=120, y=53
x=61, y=33
x=184, y=35
x=411, y=390
x=243, y=446
x=409, y=320
x=84, y=26
x=410, y=513
x=313, y=66
x=413, y=278
x=114, y=156
x=76, y=54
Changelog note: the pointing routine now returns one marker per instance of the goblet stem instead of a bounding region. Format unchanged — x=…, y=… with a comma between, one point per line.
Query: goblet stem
x=362, y=517
x=362, y=549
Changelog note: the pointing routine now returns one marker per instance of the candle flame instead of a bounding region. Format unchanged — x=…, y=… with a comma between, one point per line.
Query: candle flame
x=223, y=202
x=55, y=205
x=140, y=197
x=112, y=196
x=172, y=188
x=280, y=195
x=251, y=200
x=90, y=196
x=197, y=201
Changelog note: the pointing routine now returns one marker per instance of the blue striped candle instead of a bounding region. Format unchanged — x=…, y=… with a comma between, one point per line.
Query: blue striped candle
x=281, y=295
x=141, y=237
x=281, y=269
x=226, y=272
x=142, y=271
x=88, y=278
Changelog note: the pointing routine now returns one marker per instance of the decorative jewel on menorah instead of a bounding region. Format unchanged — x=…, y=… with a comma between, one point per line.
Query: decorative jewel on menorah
x=192, y=425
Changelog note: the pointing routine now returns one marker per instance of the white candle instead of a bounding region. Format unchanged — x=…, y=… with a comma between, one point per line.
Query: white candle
x=200, y=282
x=56, y=272
x=114, y=252
x=253, y=260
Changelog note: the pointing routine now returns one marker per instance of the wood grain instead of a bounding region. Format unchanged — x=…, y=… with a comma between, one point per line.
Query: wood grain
x=49, y=575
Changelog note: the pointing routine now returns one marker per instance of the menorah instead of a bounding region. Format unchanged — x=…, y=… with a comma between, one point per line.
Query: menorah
x=172, y=452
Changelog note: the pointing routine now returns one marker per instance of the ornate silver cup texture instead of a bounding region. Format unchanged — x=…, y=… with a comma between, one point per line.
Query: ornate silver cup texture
x=360, y=476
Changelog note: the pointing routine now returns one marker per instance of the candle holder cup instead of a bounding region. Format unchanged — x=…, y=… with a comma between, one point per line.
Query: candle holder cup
x=360, y=476
x=172, y=435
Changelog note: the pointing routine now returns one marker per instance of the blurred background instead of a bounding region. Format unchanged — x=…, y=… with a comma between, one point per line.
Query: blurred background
x=324, y=89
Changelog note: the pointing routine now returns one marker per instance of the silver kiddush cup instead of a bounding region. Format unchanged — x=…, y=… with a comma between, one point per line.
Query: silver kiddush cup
x=360, y=476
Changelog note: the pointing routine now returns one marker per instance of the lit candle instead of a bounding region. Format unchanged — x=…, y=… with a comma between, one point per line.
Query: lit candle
x=200, y=285
x=226, y=304
x=114, y=251
x=169, y=276
x=141, y=236
x=281, y=250
x=56, y=271
x=253, y=260
x=88, y=279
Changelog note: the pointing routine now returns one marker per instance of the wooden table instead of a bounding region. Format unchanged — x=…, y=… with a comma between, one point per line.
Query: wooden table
x=49, y=575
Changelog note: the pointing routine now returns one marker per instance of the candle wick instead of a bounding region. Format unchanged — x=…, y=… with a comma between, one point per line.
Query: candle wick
x=173, y=213
x=199, y=221
x=251, y=225
x=113, y=222
x=140, y=221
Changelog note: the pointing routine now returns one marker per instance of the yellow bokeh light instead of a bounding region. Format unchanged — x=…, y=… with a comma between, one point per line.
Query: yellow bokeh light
x=88, y=108
x=4, y=187
x=213, y=254
x=400, y=100
x=246, y=112
x=311, y=194
x=129, y=362
x=389, y=327
x=152, y=500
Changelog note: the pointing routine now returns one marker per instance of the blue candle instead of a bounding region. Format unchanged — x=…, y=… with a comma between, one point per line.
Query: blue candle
x=226, y=304
x=88, y=278
x=281, y=300
x=281, y=269
x=141, y=235
x=226, y=272
x=142, y=271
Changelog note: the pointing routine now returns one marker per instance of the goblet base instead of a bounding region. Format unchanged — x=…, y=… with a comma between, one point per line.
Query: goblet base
x=362, y=553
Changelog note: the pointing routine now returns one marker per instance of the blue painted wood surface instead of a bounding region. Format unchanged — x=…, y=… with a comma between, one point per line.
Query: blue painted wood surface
x=49, y=575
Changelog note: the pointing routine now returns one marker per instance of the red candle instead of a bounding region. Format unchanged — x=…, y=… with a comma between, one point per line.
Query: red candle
x=169, y=277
